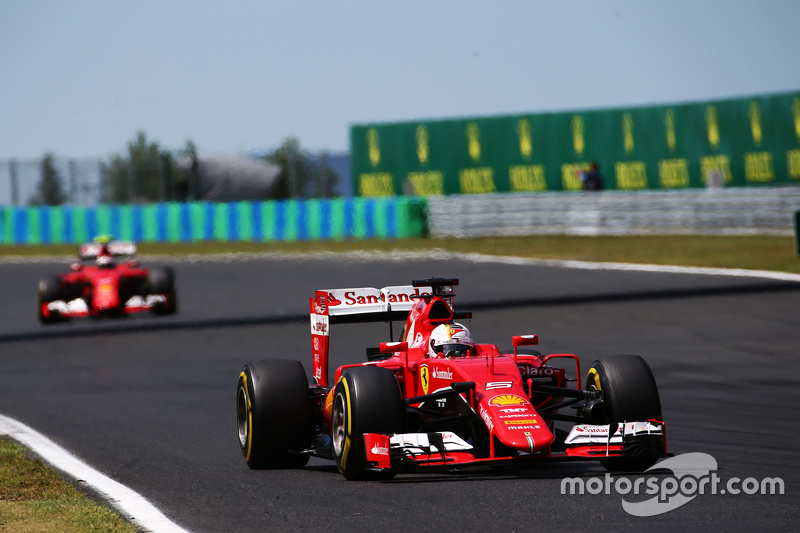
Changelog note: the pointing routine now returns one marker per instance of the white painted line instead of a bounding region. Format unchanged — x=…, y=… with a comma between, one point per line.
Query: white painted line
x=667, y=269
x=131, y=505
x=399, y=256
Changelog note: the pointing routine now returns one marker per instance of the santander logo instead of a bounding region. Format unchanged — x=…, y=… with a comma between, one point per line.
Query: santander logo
x=591, y=430
x=442, y=374
x=380, y=450
x=332, y=301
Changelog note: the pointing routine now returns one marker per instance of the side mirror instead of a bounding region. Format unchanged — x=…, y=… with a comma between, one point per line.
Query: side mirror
x=524, y=340
x=76, y=267
x=391, y=347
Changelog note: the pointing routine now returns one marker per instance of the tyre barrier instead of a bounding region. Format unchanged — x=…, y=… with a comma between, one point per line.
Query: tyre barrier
x=731, y=211
x=291, y=220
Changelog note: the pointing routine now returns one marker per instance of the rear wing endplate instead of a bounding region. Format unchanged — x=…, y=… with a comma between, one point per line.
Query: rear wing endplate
x=351, y=306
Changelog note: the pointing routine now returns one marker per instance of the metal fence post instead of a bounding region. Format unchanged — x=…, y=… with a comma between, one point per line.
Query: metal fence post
x=797, y=233
x=12, y=167
x=73, y=182
x=293, y=188
x=131, y=182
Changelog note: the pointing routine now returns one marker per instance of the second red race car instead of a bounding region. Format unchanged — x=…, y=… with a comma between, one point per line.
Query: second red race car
x=107, y=281
x=435, y=400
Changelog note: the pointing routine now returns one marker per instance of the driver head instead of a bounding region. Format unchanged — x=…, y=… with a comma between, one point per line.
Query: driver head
x=450, y=340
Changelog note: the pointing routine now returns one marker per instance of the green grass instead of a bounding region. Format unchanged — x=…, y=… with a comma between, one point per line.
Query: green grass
x=35, y=499
x=752, y=252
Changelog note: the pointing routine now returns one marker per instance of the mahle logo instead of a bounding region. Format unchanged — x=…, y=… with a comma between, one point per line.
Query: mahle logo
x=693, y=474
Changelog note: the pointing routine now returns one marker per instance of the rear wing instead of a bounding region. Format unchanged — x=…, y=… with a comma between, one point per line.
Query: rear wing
x=90, y=251
x=351, y=306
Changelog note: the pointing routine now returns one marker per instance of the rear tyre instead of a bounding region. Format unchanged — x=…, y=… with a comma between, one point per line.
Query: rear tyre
x=366, y=400
x=273, y=414
x=168, y=307
x=630, y=393
x=49, y=290
x=161, y=280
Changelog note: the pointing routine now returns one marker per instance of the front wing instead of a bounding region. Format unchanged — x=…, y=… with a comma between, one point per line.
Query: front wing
x=445, y=450
x=78, y=306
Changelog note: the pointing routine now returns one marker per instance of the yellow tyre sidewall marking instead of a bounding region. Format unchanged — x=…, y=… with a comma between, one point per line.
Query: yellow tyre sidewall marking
x=595, y=377
x=346, y=448
x=243, y=376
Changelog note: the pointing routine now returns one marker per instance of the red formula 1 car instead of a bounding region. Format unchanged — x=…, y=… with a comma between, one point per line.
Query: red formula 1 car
x=107, y=281
x=436, y=400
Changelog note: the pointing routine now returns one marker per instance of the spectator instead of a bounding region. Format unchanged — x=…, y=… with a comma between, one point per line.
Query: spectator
x=591, y=179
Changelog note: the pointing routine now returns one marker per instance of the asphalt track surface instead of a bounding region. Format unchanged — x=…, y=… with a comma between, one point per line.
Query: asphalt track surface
x=151, y=401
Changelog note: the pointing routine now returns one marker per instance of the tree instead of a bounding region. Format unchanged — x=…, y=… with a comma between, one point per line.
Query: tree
x=50, y=189
x=300, y=177
x=186, y=180
x=151, y=169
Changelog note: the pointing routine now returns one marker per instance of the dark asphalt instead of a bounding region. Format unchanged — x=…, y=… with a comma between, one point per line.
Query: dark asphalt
x=150, y=401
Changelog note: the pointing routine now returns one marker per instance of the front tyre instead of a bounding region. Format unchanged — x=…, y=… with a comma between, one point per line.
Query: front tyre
x=161, y=280
x=630, y=394
x=273, y=414
x=49, y=290
x=366, y=400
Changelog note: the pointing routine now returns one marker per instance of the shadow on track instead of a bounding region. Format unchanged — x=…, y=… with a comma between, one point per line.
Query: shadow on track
x=555, y=471
x=177, y=325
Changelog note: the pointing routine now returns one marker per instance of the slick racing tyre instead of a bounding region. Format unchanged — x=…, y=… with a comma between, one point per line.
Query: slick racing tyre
x=161, y=280
x=273, y=414
x=49, y=290
x=168, y=307
x=366, y=400
x=630, y=393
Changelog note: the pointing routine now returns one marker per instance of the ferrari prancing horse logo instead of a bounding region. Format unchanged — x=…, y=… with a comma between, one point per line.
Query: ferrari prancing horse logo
x=424, y=379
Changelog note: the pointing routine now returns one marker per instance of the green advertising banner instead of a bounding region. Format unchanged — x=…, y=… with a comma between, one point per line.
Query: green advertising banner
x=746, y=141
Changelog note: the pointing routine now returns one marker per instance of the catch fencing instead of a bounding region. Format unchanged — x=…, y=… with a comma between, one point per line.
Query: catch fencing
x=291, y=220
x=735, y=211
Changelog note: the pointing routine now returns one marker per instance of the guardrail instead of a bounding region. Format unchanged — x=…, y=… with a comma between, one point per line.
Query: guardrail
x=734, y=211
x=292, y=220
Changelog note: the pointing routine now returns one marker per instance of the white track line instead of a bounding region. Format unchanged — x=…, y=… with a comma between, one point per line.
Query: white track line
x=399, y=256
x=130, y=504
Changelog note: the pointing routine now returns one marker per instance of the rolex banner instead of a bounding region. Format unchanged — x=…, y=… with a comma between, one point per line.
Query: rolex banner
x=746, y=141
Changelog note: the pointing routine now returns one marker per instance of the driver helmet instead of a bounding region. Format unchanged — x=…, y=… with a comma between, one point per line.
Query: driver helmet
x=105, y=261
x=450, y=340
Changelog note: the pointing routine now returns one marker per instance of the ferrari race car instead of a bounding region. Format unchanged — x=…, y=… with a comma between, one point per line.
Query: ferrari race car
x=436, y=401
x=106, y=281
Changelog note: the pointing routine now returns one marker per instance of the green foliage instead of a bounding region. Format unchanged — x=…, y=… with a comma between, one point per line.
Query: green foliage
x=50, y=190
x=158, y=176
x=300, y=176
x=152, y=168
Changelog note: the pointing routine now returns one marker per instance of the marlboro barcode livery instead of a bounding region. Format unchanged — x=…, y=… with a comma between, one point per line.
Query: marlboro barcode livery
x=435, y=399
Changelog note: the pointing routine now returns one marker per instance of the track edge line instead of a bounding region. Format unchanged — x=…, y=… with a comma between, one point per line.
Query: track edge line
x=130, y=504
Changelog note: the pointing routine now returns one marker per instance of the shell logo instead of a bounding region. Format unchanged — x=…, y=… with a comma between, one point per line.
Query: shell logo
x=508, y=399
